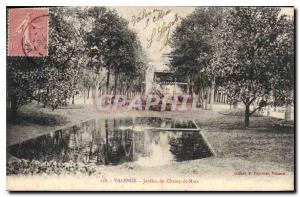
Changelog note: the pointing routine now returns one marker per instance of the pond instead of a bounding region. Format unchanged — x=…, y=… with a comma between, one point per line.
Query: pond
x=145, y=141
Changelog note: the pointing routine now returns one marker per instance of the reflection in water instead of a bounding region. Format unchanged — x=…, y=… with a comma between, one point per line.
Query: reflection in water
x=116, y=141
x=158, y=150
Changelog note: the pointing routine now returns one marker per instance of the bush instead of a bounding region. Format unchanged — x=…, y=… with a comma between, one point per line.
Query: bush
x=26, y=167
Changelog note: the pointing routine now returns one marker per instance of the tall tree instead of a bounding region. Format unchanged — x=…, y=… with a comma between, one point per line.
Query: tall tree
x=283, y=81
x=62, y=66
x=104, y=39
x=194, y=49
x=22, y=82
x=52, y=79
x=112, y=45
x=250, y=64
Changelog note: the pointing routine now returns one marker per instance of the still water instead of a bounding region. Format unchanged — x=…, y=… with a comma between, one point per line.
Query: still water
x=145, y=141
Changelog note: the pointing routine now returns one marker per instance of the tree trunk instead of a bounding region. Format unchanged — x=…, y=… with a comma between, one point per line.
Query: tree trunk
x=288, y=111
x=268, y=110
x=212, y=94
x=202, y=98
x=46, y=101
x=106, y=161
x=88, y=92
x=100, y=91
x=206, y=98
x=247, y=116
x=107, y=80
x=84, y=96
x=128, y=92
x=38, y=97
x=235, y=105
x=188, y=85
x=288, y=108
x=116, y=83
x=96, y=94
x=14, y=107
x=121, y=88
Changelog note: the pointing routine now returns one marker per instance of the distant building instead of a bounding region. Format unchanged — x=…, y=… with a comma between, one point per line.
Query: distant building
x=162, y=82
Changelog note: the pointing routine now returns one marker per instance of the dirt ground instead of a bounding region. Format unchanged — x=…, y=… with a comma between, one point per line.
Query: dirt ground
x=261, y=152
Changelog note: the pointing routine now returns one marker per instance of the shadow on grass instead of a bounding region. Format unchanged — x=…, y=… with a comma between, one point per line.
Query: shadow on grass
x=237, y=113
x=234, y=120
x=39, y=106
x=36, y=118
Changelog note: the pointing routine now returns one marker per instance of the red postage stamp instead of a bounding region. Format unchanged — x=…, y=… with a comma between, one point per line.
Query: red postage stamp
x=28, y=32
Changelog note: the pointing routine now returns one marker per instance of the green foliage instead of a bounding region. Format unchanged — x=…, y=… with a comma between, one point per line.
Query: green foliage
x=61, y=68
x=22, y=81
x=253, y=53
x=248, y=51
x=83, y=44
x=283, y=80
x=110, y=46
x=50, y=80
x=27, y=167
x=193, y=45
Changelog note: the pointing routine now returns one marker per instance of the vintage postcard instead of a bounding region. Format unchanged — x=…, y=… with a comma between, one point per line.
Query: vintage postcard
x=150, y=99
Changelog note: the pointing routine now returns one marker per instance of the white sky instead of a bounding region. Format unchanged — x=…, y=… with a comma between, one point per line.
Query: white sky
x=156, y=50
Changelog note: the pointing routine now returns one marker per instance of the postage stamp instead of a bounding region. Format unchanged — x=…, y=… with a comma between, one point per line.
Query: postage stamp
x=28, y=32
x=151, y=98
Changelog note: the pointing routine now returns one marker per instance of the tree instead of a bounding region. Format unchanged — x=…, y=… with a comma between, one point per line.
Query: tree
x=112, y=46
x=247, y=51
x=283, y=91
x=252, y=55
x=52, y=79
x=61, y=68
x=21, y=84
x=194, y=49
x=103, y=40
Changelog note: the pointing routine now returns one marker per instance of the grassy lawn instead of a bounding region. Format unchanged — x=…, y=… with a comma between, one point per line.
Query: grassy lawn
x=266, y=147
x=267, y=140
x=34, y=120
x=264, y=142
